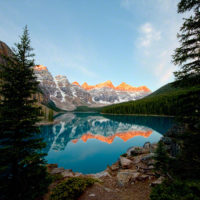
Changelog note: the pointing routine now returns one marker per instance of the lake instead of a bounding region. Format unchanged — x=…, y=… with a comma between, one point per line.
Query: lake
x=88, y=142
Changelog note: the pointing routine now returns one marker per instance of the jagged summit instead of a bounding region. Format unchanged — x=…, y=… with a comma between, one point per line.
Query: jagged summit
x=68, y=96
x=122, y=87
x=40, y=68
x=75, y=83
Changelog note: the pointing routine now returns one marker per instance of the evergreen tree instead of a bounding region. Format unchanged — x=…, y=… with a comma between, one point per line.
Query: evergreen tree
x=22, y=166
x=161, y=159
x=50, y=115
x=187, y=56
x=184, y=168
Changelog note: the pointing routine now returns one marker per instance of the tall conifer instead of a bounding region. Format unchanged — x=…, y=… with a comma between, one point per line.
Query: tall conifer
x=22, y=172
x=187, y=56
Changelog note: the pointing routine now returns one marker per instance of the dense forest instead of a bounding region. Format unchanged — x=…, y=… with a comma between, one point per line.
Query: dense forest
x=170, y=100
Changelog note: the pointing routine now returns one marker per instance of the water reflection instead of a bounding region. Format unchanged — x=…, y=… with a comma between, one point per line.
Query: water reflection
x=81, y=139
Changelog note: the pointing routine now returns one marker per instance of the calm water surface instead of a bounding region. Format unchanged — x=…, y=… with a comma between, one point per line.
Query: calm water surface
x=87, y=143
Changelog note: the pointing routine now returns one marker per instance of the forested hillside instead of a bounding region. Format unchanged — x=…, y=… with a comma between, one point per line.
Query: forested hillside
x=167, y=100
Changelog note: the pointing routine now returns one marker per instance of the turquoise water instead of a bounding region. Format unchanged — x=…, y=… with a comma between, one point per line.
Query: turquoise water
x=87, y=143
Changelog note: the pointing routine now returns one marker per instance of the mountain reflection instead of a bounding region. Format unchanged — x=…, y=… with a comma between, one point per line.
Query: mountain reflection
x=125, y=136
x=80, y=126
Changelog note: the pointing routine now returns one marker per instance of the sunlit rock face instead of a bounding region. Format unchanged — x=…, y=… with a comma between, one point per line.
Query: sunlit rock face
x=65, y=95
x=107, y=93
x=125, y=87
x=4, y=50
x=68, y=96
x=107, y=84
x=122, y=87
x=40, y=68
x=75, y=83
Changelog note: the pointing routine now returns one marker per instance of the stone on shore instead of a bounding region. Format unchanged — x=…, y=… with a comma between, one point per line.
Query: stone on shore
x=157, y=182
x=67, y=174
x=57, y=170
x=125, y=162
x=101, y=174
x=124, y=177
x=147, y=145
x=134, y=151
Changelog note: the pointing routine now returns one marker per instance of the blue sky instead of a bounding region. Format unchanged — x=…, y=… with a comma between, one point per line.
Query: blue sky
x=98, y=40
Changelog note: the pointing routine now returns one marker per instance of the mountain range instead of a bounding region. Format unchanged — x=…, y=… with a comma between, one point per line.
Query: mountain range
x=68, y=96
x=58, y=93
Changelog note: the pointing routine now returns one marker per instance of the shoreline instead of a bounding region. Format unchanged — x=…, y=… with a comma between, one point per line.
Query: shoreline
x=145, y=115
x=150, y=147
x=124, y=178
x=43, y=123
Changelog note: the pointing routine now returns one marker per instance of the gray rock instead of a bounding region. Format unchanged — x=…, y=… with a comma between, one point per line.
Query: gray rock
x=77, y=174
x=67, y=174
x=134, y=151
x=137, y=159
x=158, y=181
x=107, y=189
x=101, y=174
x=142, y=177
x=92, y=195
x=114, y=167
x=125, y=162
x=148, y=157
x=57, y=170
x=124, y=177
x=147, y=145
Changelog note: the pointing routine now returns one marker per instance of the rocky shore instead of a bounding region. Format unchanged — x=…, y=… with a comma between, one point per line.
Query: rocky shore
x=131, y=177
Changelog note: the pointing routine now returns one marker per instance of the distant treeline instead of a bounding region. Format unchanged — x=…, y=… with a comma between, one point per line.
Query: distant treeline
x=180, y=101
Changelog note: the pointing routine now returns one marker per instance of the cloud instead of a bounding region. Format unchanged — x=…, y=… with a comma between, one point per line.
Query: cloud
x=154, y=38
x=148, y=35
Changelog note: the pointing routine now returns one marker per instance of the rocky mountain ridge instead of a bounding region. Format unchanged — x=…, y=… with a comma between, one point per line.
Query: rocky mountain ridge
x=68, y=96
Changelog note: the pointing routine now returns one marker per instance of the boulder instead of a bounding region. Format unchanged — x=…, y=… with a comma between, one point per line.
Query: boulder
x=151, y=167
x=92, y=195
x=114, y=167
x=101, y=174
x=142, y=177
x=67, y=173
x=125, y=162
x=157, y=182
x=147, y=145
x=57, y=170
x=134, y=151
x=77, y=174
x=124, y=177
x=137, y=159
x=52, y=166
x=148, y=158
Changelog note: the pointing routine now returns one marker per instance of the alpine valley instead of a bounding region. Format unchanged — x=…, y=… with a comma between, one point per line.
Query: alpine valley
x=68, y=96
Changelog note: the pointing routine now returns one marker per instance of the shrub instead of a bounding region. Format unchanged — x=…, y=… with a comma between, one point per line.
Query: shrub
x=71, y=188
x=176, y=190
x=56, y=177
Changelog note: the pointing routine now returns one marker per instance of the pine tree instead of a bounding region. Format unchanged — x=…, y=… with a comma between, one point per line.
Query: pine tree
x=50, y=115
x=161, y=159
x=22, y=166
x=187, y=56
